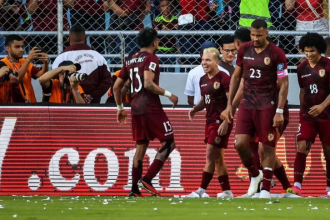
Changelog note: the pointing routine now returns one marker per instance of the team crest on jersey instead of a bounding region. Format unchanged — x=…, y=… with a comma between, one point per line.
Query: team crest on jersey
x=267, y=61
x=217, y=140
x=322, y=72
x=216, y=85
x=271, y=137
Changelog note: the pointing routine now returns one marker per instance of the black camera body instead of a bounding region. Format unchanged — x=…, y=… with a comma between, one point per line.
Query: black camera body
x=11, y=72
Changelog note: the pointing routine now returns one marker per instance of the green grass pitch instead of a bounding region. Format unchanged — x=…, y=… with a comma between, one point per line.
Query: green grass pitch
x=103, y=208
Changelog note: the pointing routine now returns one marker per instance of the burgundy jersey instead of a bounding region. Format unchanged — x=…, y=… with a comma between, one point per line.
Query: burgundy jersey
x=316, y=84
x=260, y=73
x=142, y=101
x=214, y=93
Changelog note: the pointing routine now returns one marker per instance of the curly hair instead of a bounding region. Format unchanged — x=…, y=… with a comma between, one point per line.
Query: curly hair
x=313, y=40
x=146, y=37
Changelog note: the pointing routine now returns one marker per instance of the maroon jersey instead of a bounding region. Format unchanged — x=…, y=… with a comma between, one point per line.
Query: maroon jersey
x=214, y=93
x=260, y=73
x=316, y=84
x=142, y=101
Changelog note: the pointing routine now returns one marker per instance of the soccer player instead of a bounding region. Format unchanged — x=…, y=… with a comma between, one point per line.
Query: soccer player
x=263, y=66
x=241, y=36
x=314, y=81
x=214, y=87
x=149, y=120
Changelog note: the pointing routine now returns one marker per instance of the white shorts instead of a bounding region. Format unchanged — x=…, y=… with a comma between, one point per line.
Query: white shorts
x=317, y=25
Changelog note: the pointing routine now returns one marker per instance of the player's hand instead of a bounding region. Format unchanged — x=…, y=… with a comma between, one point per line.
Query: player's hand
x=191, y=114
x=88, y=98
x=174, y=99
x=278, y=120
x=223, y=128
x=316, y=110
x=121, y=117
x=4, y=71
x=34, y=53
x=227, y=114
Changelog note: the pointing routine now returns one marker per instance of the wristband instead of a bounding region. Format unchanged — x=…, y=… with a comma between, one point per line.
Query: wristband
x=167, y=94
x=279, y=111
x=76, y=92
x=120, y=107
x=28, y=60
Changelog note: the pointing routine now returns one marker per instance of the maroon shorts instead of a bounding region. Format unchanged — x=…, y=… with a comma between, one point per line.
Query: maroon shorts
x=151, y=126
x=259, y=122
x=309, y=128
x=212, y=137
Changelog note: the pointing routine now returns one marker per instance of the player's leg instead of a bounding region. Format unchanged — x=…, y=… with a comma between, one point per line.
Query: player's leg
x=137, y=168
x=306, y=135
x=158, y=126
x=222, y=173
x=244, y=128
x=326, y=150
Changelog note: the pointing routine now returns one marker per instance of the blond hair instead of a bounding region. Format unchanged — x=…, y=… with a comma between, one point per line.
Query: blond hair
x=215, y=52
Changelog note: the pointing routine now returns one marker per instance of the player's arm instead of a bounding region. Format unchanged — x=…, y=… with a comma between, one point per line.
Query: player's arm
x=223, y=128
x=155, y=89
x=117, y=91
x=190, y=100
x=239, y=95
x=301, y=96
x=199, y=107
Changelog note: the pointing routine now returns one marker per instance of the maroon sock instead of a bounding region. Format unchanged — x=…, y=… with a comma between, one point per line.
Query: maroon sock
x=136, y=174
x=299, y=167
x=154, y=169
x=282, y=177
x=254, y=146
x=328, y=172
x=266, y=182
x=224, y=182
x=253, y=170
x=206, y=179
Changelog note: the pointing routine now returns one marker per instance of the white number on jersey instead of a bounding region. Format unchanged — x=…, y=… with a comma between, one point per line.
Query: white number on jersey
x=313, y=88
x=255, y=73
x=137, y=76
x=167, y=126
x=207, y=99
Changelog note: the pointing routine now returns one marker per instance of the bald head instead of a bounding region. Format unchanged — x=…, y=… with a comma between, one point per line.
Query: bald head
x=77, y=35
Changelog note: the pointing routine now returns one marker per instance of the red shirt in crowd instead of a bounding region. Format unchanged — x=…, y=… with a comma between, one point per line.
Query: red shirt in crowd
x=304, y=13
x=199, y=10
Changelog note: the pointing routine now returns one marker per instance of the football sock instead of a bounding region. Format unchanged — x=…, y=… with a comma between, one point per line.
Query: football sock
x=299, y=167
x=136, y=176
x=224, y=182
x=253, y=170
x=282, y=177
x=155, y=167
x=328, y=173
x=268, y=175
x=206, y=179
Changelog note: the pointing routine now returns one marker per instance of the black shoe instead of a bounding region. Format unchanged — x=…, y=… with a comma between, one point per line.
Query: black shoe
x=135, y=194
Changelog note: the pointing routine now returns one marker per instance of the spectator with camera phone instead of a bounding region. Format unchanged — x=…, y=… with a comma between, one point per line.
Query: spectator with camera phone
x=23, y=69
x=61, y=85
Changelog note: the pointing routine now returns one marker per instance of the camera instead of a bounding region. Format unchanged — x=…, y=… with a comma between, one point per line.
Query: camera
x=78, y=76
x=14, y=73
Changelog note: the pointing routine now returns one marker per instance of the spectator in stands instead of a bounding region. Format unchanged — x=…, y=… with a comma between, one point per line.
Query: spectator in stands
x=60, y=86
x=9, y=90
x=192, y=89
x=327, y=52
x=126, y=15
x=165, y=22
x=228, y=51
x=25, y=69
x=92, y=63
x=13, y=17
x=44, y=18
x=220, y=12
x=310, y=15
x=91, y=15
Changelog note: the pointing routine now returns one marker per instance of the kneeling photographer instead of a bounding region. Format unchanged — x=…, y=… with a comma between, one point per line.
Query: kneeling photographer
x=61, y=85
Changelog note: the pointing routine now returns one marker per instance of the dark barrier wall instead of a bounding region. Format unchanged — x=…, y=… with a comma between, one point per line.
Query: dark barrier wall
x=83, y=151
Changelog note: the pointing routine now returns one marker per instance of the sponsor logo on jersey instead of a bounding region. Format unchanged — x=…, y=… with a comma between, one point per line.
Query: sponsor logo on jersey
x=267, y=60
x=216, y=85
x=217, y=140
x=322, y=72
x=307, y=75
x=248, y=58
x=204, y=85
x=270, y=137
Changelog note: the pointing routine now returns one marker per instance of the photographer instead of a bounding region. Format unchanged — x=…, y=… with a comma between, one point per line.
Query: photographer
x=61, y=85
x=25, y=69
